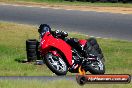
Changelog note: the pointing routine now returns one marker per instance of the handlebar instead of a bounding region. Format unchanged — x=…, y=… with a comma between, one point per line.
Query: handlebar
x=59, y=34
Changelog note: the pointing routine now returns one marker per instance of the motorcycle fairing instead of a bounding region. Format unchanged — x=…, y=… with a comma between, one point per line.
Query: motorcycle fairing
x=48, y=41
x=82, y=42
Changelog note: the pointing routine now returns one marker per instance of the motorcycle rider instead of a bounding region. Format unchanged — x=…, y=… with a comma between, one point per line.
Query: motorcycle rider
x=72, y=41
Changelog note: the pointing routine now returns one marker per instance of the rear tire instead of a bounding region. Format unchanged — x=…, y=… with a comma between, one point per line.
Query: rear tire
x=31, y=49
x=55, y=62
x=95, y=49
x=95, y=69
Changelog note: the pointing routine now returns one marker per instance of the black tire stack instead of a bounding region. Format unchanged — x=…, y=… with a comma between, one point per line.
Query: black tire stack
x=31, y=49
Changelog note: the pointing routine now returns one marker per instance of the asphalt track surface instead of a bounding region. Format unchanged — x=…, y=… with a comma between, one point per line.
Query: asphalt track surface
x=98, y=24
x=43, y=78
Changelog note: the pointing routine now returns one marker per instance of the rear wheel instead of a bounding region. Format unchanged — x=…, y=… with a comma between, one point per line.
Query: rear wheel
x=93, y=48
x=97, y=67
x=56, y=64
x=31, y=49
x=96, y=48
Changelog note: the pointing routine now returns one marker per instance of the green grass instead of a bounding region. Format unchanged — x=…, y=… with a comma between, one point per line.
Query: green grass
x=12, y=46
x=76, y=3
x=55, y=84
x=118, y=54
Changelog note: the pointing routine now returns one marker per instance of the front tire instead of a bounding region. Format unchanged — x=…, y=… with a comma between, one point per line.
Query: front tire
x=56, y=64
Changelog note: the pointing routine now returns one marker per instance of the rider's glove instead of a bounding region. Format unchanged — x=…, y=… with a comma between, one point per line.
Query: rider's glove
x=62, y=34
x=65, y=34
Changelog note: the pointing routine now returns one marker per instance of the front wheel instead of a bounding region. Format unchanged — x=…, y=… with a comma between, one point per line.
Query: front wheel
x=56, y=64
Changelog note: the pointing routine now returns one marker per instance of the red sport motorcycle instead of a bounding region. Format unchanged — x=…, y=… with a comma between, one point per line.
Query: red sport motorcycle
x=62, y=54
